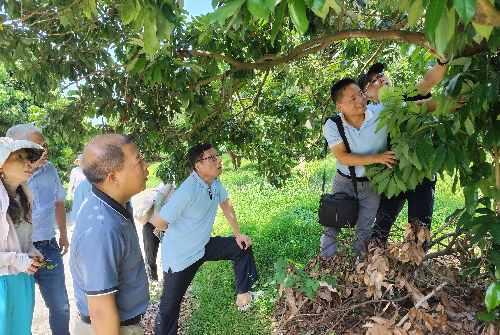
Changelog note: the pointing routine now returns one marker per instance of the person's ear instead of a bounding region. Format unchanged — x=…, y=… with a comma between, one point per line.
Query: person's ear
x=111, y=178
x=339, y=107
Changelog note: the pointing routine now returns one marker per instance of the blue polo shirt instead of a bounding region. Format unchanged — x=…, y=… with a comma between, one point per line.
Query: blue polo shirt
x=190, y=213
x=81, y=192
x=47, y=189
x=365, y=141
x=106, y=257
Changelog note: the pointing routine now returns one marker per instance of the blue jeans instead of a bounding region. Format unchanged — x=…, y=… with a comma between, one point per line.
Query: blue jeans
x=420, y=206
x=17, y=301
x=53, y=288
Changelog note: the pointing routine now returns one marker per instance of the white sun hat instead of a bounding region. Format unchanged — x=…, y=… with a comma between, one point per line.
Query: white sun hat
x=8, y=146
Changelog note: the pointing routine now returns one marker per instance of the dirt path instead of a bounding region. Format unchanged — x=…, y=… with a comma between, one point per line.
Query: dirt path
x=40, y=323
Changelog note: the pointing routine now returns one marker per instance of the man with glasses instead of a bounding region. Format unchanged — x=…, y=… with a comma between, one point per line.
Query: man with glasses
x=187, y=219
x=420, y=200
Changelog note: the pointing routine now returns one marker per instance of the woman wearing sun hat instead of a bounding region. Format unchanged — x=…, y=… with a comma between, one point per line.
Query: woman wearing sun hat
x=19, y=259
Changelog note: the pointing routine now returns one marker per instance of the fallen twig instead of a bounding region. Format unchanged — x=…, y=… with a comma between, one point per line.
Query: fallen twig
x=420, y=302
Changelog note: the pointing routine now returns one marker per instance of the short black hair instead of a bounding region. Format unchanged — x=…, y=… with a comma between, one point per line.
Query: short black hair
x=110, y=159
x=196, y=152
x=337, y=89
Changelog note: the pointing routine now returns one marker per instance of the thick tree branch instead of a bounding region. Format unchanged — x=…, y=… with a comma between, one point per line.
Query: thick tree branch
x=320, y=43
x=486, y=14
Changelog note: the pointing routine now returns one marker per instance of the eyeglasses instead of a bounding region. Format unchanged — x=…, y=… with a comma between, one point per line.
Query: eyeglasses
x=374, y=80
x=213, y=158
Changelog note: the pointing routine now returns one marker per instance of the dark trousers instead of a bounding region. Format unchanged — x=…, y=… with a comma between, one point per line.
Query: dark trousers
x=151, y=244
x=420, y=206
x=175, y=284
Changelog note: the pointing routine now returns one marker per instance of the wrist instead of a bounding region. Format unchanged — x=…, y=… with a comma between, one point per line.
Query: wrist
x=442, y=63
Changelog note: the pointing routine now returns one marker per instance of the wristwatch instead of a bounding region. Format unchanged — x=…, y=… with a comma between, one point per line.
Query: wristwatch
x=441, y=63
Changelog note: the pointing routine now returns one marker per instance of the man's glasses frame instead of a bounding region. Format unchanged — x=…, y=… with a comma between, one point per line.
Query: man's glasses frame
x=213, y=158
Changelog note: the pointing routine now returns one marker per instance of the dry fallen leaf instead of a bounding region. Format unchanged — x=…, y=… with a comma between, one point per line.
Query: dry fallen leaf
x=417, y=295
x=429, y=321
x=378, y=330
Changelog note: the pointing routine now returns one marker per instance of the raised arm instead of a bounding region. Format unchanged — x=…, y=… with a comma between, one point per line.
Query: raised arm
x=230, y=215
x=433, y=76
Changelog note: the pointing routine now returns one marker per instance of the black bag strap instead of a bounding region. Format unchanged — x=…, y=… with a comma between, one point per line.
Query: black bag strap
x=340, y=127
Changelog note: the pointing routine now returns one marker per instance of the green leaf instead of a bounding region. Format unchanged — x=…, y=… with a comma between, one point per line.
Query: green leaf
x=258, y=8
x=297, y=10
x=495, y=192
x=470, y=195
x=433, y=15
x=450, y=160
x=383, y=184
x=168, y=13
x=391, y=189
x=318, y=5
x=441, y=38
x=494, y=41
x=139, y=66
x=492, y=89
x=131, y=65
x=323, y=12
x=414, y=179
x=441, y=130
x=149, y=37
x=469, y=127
x=492, y=297
x=415, y=12
x=486, y=317
x=225, y=11
x=484, y=31
x=277, y=22
x=335, y=4
x=465, y=9
x=128, y=12
x=272, y=3
x=495, y=233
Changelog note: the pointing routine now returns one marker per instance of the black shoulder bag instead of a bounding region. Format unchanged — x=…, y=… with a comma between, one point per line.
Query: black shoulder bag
x=339, y=210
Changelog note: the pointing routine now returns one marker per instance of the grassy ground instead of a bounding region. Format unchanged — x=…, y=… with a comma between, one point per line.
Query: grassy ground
x=281, y=223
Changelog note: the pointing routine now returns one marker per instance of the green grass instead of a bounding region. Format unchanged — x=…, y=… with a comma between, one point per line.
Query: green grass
x=153, y=180
x=281, y=223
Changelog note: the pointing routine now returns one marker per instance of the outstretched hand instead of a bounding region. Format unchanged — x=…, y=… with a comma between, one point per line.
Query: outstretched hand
x=388, y=158
x=240, y=239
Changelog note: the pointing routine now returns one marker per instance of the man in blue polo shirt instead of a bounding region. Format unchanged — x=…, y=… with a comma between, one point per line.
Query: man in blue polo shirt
x=48, y=209
x=187, y=219
x=364, y=141
x=109, y=275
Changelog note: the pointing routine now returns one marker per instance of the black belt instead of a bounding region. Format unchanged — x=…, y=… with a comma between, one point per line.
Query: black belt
x=129, y=322
x=360, y=179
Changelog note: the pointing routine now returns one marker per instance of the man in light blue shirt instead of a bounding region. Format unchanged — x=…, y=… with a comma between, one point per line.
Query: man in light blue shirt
x=48, y=208
x=364, y=141
x=188, y=219
x=81, y=192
